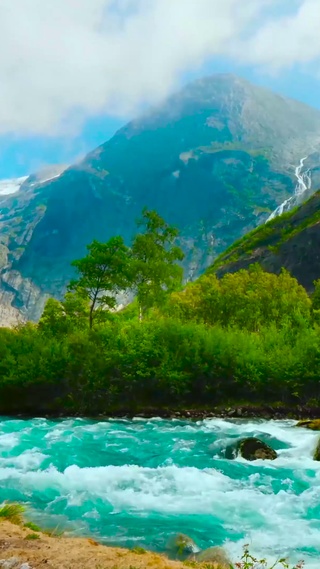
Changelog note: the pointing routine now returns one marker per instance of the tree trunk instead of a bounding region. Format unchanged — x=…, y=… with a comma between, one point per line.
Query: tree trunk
x=140, y=313
x=91, y=315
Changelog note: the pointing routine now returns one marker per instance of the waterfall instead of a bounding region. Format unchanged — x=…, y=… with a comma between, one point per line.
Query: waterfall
x=304, y=183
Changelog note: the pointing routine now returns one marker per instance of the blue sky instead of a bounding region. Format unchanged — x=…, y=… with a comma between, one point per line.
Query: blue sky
x=76, y=76
x=21, y=156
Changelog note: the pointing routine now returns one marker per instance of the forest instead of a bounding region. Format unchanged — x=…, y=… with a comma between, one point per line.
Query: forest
x=251, y=337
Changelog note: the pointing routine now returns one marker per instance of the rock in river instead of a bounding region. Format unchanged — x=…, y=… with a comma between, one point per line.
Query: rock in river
x=312, y=424
x=316, y=455
x=254, y=449
x=181, y=547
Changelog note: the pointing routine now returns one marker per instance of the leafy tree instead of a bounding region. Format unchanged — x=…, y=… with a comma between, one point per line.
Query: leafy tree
x=66, y=316
x=53, y=318
x=248, y=299
x=102, y=274
x=154, y=256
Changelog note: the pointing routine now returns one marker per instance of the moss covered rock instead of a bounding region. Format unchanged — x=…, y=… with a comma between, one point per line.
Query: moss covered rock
x=312, y=424
x=254, y=449
x=316, y=455
x=216, y=555
x=182, y=547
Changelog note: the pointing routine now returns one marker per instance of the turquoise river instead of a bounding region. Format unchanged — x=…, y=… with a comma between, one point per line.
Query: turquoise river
x=136, y=483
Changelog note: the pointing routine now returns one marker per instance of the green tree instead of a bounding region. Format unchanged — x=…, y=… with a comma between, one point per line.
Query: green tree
x=102, y=274
x=154, y=256
x=66, y=316
x=53, y=320
x=248, y=299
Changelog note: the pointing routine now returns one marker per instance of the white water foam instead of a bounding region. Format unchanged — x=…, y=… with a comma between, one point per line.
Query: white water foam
x=260, y=502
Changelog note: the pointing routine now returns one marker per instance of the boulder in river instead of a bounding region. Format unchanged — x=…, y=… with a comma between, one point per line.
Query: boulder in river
x=181, y=547
x=255, y=449
x=316, y=455
x=312, y=424
x=212, y=555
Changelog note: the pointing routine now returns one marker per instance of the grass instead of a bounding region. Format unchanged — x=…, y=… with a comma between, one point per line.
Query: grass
x=12, y=513
x=139, y=551
x=32, y=536
x=32, y=526
x=272, y=235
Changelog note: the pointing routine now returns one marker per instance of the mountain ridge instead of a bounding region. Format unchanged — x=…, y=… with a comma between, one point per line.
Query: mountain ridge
x=290, y=241
x=215, y=159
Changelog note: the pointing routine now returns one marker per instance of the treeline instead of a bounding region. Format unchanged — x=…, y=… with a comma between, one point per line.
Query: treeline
x=250, y=337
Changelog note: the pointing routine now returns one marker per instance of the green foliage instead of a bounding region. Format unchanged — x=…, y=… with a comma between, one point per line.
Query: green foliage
x=103, y=273
x=154, y=257
x=129, y=366
x=12, y=513
x=248, y=561
x=32, y=526
x=316, y=296
x=139, y=551
x=248, y=299
x=271, y=235
x=32, y=536
x=251, y=336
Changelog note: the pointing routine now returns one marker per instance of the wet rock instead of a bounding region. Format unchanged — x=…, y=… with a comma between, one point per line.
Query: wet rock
x=312, y=424
x=10, y=563
x=232, y=413
x=254, y=449
x=182, y=547
x=214, y=555
x=316, y=455
x=231, y=452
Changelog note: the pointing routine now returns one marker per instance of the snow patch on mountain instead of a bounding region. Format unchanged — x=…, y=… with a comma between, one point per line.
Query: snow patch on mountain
x=8, y=187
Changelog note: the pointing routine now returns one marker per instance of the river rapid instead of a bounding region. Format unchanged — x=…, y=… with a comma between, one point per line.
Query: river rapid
x=136, y=483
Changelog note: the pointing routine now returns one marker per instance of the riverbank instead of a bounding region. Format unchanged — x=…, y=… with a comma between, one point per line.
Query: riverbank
x=240, y=411
x=44, y=552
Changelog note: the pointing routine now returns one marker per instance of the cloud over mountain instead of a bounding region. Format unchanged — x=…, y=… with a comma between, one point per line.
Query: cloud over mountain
x=62, y=61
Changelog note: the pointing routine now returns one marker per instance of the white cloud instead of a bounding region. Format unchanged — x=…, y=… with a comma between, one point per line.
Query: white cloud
x=292, y=39
x=63, y=60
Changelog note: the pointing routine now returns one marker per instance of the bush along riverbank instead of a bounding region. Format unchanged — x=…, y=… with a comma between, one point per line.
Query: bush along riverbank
x=246, y=344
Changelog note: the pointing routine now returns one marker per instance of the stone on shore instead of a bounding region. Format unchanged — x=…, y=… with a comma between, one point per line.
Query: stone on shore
x=212, y=555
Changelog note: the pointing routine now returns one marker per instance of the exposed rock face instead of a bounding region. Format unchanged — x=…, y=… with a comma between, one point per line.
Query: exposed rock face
x=254, y=449
x=10, y=316
x=215, y=160
x=291, y=241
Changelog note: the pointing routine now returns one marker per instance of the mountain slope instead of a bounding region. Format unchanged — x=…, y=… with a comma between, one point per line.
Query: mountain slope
x=291, y=241
x=216, y=159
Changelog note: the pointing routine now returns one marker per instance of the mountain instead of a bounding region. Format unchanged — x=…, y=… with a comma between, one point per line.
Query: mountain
x=8, y=187
x=215, y=159
x=291, y=241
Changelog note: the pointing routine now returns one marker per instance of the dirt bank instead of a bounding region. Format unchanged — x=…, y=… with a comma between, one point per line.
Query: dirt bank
x=47, y=552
